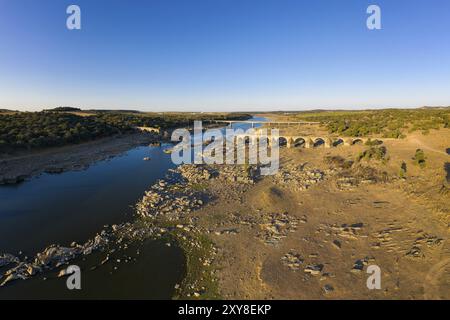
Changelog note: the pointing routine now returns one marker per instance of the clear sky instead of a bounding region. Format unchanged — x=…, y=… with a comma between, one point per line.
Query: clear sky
x=223, y=55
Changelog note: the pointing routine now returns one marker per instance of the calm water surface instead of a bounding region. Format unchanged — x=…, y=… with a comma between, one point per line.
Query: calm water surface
x=74, y=206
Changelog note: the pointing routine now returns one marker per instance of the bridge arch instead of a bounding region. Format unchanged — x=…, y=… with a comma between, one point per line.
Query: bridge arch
x=267, y=139
x=299, y=142
x=319, y=142
x=240, y=140
x=338, y=142
x=283, y=141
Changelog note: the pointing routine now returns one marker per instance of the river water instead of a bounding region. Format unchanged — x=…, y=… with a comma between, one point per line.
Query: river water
x=74, y=206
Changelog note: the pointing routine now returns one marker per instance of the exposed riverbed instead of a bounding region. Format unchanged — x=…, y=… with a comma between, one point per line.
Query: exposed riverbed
x=74, y=206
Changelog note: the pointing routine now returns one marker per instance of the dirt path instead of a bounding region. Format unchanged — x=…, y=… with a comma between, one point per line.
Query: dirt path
x=422, y=145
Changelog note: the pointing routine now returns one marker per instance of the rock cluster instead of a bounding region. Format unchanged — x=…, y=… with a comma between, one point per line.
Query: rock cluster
x=179, y=194
x=163, y=198
x=195, y=173
x=328, y=288
x=239, y=173
x=12, y=180
x=314, y=269
x=298, y=178
x=52, y=257
x=276, y=226
x=6, y=259
x=347, y=231
x=430, y=241
x=358, y=175
x=292, y=260
x=359, y=264
x=347, y=183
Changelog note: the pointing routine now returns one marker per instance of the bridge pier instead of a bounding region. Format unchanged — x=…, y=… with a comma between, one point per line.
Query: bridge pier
x=309, y=143
x=348, y=142
x=288, y=143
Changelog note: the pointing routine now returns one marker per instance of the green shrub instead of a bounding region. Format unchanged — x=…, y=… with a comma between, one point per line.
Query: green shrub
x=403, y=169
x=378, y=153
x=420, y=158
x=374, y=142
x=27, y=130
x=339, y=162
x=388, y=123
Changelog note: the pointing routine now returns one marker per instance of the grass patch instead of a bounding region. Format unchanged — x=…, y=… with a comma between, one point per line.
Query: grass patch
x=198, y=250
x=198, y=275
x=374, y=142
x=199, y=186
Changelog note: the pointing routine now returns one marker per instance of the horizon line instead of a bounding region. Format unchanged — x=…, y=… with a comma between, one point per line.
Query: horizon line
x=231, y=110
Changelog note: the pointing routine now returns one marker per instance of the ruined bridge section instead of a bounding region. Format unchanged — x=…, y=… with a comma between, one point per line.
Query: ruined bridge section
x=148, y=129
x=270, y=124
x=306, y=141
x=311, y=142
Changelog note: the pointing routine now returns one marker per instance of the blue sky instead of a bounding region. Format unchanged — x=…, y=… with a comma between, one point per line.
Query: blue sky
x=223, y=55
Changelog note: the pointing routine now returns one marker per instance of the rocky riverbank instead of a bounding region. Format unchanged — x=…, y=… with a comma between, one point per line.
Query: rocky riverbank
x=162, y=213
x=20, y=167
x=249, y=236
x=165, y=212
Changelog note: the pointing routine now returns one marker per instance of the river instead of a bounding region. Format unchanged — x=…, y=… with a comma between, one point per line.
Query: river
x=74, y=206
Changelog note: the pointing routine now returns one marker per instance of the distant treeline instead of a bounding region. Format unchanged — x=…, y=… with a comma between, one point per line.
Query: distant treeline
x=27, y=130
x=389, y=123
x=64, y=109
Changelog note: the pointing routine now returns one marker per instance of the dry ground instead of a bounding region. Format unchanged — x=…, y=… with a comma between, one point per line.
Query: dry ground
x=402, y=226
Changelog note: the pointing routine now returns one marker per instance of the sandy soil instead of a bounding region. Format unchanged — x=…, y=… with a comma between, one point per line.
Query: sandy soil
x=329, y=235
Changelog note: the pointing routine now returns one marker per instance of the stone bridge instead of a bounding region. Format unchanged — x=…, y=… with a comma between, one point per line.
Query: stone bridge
x=148, y=129
x=306, y=141
x=268, y=123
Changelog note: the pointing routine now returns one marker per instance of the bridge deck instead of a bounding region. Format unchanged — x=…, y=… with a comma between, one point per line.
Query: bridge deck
x=264, y=122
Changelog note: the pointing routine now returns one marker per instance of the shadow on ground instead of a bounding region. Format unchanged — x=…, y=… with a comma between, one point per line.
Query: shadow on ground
x=447, y=169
